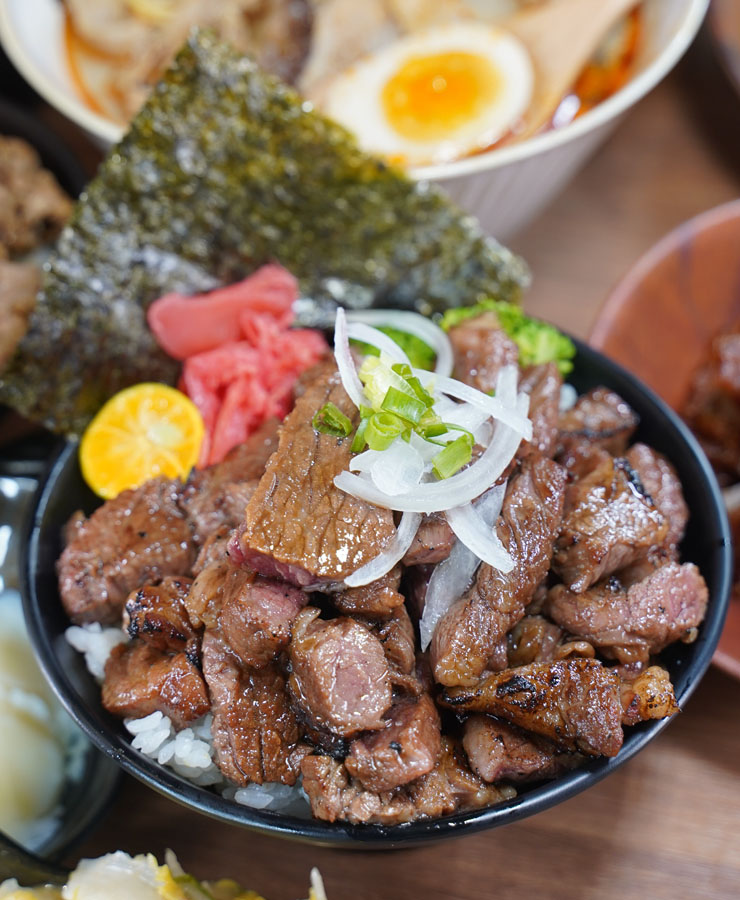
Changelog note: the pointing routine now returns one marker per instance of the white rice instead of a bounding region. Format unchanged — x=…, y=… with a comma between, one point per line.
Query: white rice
x=189, y=752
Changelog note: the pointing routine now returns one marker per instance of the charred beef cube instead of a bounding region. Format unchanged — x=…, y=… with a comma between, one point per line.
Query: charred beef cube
x=630, y=620
x=299, y=526
x=661, y=482
x=140, y=680
x=340, y=677
x=135, y=539
x=408, y=747
x=467, y=636
x=213, y=549
x=609, y=523
x=543, y=384
x=600, y=416
x=432, y=543
x=374, y=600
x=580, y=457
x=481, y=349
x=575, y=703
x=533, y=639
x=649, y=696
x=254, y=730
x=498, y=751
x=157, y=614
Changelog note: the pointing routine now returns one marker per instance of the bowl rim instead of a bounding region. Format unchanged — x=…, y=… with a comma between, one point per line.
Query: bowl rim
x=608, y=110
x=367, y=837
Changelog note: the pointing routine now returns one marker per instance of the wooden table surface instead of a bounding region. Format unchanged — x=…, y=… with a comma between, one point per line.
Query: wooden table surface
x=666, y=825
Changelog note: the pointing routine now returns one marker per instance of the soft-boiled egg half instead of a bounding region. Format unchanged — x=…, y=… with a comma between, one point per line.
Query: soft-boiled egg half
x=436, y=95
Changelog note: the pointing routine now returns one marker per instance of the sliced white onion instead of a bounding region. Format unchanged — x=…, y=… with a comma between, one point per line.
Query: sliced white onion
x=356, y=331
x=507, y=380
x=568, y=397
x=394, y=553
x=481, y=539
x=345, y=363
x=439, y=496
x=363, y=462
x=411, y=323
x=398, y=469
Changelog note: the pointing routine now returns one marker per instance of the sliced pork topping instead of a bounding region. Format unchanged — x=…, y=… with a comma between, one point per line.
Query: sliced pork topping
x=575, y=703
x=432, y=543
x=649, y=696
x=140, y=680
x=157, y=614
x=407, y=747
x=600, y=416
x=609, y=523
x=480, y=350
x=661, y=482
x=254, y=729
x=467, y=635
x=136, y=539
x=498, y=751
x=543, y=384
x=299, y=526
x=374, y=600
x=630, y=620
x=340, y=677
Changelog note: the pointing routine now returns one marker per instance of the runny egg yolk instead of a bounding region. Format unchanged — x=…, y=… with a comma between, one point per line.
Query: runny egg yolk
x=431, y=96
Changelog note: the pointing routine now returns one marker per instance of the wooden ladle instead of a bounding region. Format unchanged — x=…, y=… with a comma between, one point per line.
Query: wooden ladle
x=561, y=36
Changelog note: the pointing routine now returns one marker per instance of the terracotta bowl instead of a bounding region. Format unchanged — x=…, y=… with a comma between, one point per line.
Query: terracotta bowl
x=661, y=318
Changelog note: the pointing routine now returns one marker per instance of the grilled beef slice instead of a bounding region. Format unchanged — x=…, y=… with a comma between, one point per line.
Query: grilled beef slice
x=661, y=482
x=575, y=703
x=543, y=384
x=480, y=349
x=140, y=680
x=532, y=639
x=374, y=600
x=299, y=526
x=407, y=747
x=609, y=523
x=649, y=696
x=432, y=543
x=600, y=416
x=254, y=729
x=630, y=620
x=467, y=635
x=157, y=614
x=135, y=539
x=340, y=677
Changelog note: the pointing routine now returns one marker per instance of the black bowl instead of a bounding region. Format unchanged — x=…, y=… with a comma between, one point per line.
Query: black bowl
x=707, y=543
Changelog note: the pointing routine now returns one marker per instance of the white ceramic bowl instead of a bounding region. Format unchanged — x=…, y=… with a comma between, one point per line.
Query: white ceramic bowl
x=503, y=188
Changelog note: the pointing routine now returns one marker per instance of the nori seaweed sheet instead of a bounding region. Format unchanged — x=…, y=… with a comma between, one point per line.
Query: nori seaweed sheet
x=224, y=169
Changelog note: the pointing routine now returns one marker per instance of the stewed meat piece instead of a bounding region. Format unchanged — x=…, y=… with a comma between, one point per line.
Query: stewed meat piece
x=649, y=696
x=629, y=620
x=609, y=523
x=543, y=384
x=140, y=680
x=661, y=482
x=469, y=632
x=340, y=676
x=407, y=747
x=481, y=349
x=575, y=703
x=450, y=787
x=157, y=614
x=255, y=732
x=498, y=751
x=374, y=600
x=432, y=543
x=299, y=526
x=600, y=416
x=135, y=539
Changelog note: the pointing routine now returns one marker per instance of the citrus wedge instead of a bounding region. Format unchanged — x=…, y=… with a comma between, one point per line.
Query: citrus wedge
x=144, y=431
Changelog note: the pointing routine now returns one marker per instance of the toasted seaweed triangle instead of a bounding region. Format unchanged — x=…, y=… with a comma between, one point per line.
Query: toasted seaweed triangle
x=224, y=169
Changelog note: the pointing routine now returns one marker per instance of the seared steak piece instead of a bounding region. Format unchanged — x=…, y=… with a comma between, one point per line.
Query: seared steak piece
x=340, y=677
x=157, y=615
x=467, y=635
x=254, y=729
x=374, y=600
x=533, y=639
x=661, y=482
x=649, y=696
x=396, y=635
x=135, y=539
x=630, y=620
x=609, y=522
x=498, y=751
x=480, y=350
x=218, y=495
x=408, y=747
x=140, y=680
x=213, y=549
x=206, y=595
x=581, y=456
x=299, y=526
x=543, y=384
x=601, y=416
x=433, y=542
x=449, y=787
x=575, y=703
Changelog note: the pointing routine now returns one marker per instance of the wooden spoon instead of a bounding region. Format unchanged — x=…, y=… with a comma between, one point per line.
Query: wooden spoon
x=561, y=36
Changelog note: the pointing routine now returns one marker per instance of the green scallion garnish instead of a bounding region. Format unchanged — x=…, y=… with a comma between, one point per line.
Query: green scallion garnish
x=409, y=408
x=455, y=455
x=331, y=420
x=382, y=429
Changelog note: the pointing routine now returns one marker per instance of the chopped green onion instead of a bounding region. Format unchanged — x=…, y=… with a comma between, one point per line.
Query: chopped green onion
x=455, y=455
x=358, y=441
x=402, y=405
x=331, y=420
x=382, y=429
